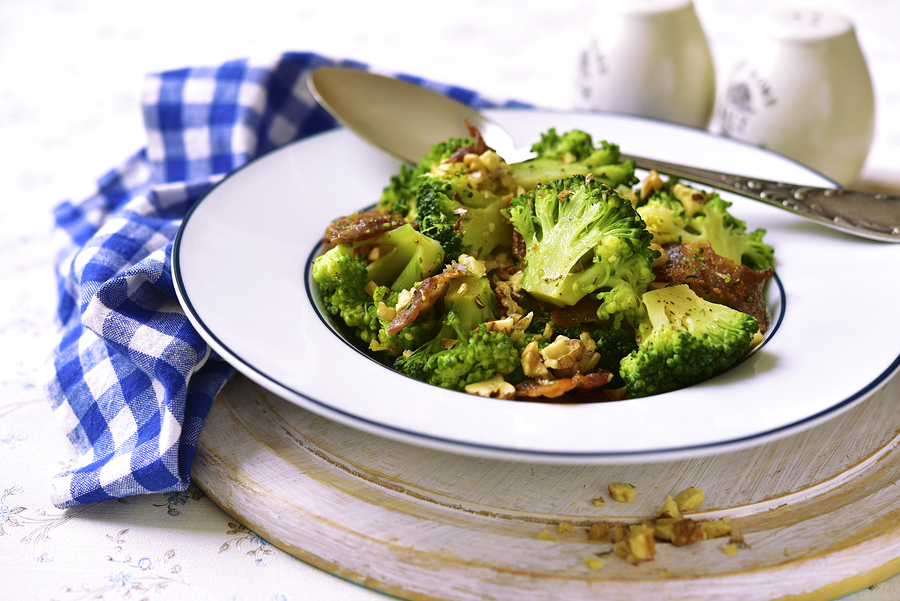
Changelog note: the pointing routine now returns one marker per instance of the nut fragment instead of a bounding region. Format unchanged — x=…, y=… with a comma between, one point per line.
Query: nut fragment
x=691, y=198
x=715, y=529
x=562, y=353
x=472, y=265
x=670, y=509
x=651, y=184
x=386, y=313
x=565, y=528
x=678, y=532
x=594, y=563
x=598, y=531
x=690, y=499
x=624, y=493
x=404, y=298
x=637, y=545
x=514, y=325
x=493, y=387
x=532, y=365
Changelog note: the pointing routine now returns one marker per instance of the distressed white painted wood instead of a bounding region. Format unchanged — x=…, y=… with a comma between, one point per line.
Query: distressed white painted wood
x=820, y=510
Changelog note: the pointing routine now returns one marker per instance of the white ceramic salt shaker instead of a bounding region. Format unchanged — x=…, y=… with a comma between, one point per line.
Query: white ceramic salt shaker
x=649, y=58
x=803, y=90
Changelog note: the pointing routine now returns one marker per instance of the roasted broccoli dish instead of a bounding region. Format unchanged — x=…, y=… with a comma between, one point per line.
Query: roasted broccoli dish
x=561, y=278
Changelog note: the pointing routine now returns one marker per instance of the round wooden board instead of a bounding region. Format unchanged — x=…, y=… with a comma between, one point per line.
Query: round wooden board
x=819, y=511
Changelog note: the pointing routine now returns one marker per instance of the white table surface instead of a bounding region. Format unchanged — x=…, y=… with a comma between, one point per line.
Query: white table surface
x=69, y=111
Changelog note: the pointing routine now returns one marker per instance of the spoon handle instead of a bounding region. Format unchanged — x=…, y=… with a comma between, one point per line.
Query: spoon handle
x=873, y=215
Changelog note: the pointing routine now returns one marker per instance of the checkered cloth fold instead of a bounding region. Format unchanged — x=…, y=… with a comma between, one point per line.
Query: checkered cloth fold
x=132, y=380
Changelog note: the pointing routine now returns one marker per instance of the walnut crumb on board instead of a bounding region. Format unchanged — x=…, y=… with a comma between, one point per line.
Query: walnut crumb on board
x=636, y=543
x=594, y=563
x=621, y=492
x=598, y=531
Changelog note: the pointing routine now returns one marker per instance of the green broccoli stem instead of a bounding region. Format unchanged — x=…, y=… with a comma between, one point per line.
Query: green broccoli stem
x=529, y=174
x=411, y=258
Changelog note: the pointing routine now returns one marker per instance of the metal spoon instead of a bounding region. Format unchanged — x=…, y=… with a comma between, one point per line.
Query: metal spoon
x=405, y=119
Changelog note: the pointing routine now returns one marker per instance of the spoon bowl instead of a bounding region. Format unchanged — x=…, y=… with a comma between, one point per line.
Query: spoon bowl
x=404, y=119
x=400, y=117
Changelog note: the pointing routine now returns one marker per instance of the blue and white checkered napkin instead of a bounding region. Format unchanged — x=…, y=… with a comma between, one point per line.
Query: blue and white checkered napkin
x=132, y=381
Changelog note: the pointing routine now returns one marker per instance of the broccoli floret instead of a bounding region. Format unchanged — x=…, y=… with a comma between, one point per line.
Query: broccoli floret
x=452, y=216
x=342, y=282
x=562, y=156
x=409, y=338
x=464, y=351
x=581, y=238
x=350, y=280
x=399, y=196
x=684, y=340
x=405, y=257
x=614, y=344
x=674, y=214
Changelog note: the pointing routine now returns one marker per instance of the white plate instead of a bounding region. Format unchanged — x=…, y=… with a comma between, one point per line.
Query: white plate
x=241, y=262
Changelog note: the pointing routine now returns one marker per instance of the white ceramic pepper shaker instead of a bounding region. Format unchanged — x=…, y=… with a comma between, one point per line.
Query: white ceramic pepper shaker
x=649, y=58
x=803, y=90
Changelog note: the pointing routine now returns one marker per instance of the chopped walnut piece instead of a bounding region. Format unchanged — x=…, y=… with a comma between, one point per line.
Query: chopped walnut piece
x=691, y=198
x=505, y=299
x=386, y=313
x=598, y=502
x=472, y=265
x=637, y=545
x=670, y=509
x=598, y=531
x=493, y=387
x=690, y=499
x=504, y=326
x=621, y=492
x=532, y=365
x=404, y=298
x=513, y=326
x=591, y=357
x=715, y=529
x=594, y=563
x=651, y=184
x=562, y=353
x=678, y=532
x=565, y=528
